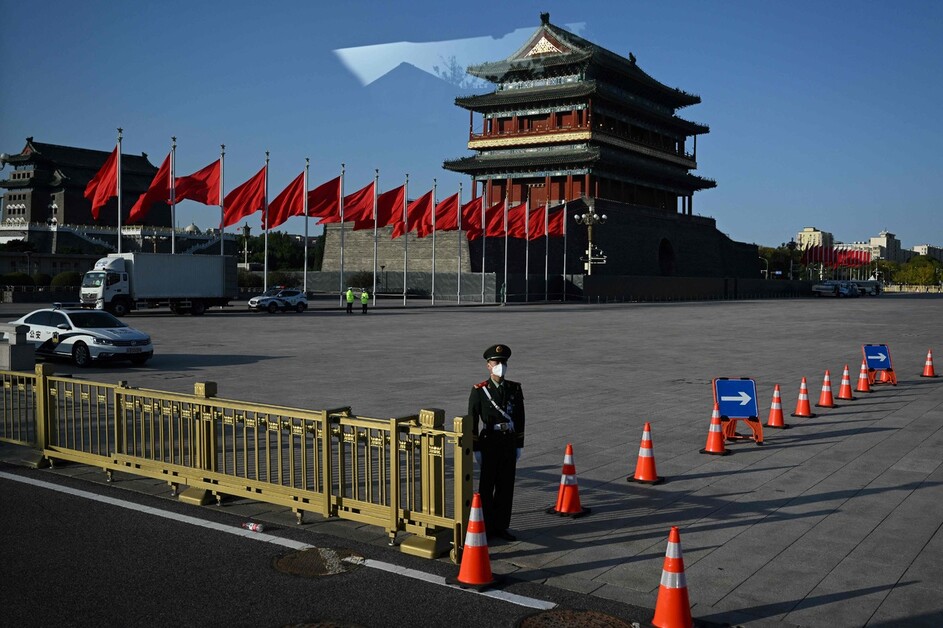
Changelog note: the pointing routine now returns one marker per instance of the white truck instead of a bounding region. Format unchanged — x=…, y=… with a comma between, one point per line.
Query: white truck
x=123, y=282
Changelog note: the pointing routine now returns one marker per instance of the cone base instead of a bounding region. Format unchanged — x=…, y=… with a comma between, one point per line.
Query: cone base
x=846, y=398
x=820, y=405
x=929, y=376
x=804, y=416
x=657, y=480
x=454, y=581
x=553, y=511
x=777, y=427
x=717, y=453
x=864, y=391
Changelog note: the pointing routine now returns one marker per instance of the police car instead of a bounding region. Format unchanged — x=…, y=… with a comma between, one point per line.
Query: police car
x=279, y=299
x=84, y=336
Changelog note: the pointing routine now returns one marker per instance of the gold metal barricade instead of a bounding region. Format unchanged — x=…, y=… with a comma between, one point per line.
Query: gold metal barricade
x=407, y=474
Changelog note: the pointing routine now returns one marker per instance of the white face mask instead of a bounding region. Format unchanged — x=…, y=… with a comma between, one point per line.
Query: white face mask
x=499, y=369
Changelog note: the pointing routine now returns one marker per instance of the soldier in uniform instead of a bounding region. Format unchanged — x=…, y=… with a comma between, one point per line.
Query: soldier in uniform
x=496, y=409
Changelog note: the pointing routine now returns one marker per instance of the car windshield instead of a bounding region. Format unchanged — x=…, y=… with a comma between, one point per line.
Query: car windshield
x=93, y=280
x=95, y=320
x=271, y=292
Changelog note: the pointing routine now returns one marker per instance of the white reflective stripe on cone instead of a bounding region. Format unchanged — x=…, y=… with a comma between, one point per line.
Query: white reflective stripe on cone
x=673, y=551
x=476, y=539
x=567, y=459
x=568, y=480
x=646, y=435
x=715, y=427
x=645, y=452
x=673, y=580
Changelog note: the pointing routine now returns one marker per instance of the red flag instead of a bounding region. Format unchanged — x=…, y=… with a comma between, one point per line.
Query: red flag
x=446, y=214
x=244, y=200
x=390, y=206
x=471, y=217
x=358, y=206
x=202, y=186
x=536, y=223
x=158, y=191
x=324, y=200
x=418, y=217
x=517, y=221
x=290, y=202
x=494, y=220
x=556, y=225
x=104, y=184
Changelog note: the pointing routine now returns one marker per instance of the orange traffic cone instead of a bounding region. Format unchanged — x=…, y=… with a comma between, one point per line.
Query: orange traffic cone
x=928, y=366
x=645, y=467
x=775, y=418
x=673, y=608
x=825, y=398
x=568, y=499
x=802, y=407
x=844, y=392
x=715, y=436
x=475, y=570
x=864, y=382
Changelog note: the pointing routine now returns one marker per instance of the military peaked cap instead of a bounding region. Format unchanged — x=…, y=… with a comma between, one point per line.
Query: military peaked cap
x=497, y=352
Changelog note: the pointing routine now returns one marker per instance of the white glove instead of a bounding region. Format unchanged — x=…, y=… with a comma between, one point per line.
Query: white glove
x=478, y=457
x=520, y=450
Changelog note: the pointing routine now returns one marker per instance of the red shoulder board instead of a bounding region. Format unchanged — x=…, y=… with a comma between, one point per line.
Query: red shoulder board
x=482, y=384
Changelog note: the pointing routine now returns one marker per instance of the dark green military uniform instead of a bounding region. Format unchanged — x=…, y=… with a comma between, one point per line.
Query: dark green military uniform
x=498, y=436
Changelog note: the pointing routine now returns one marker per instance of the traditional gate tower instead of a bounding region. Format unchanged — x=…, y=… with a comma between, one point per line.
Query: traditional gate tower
x=570, y=121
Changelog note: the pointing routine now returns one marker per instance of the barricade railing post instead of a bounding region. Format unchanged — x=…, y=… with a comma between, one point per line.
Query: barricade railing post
x=431, y=463
x=41, y=392
x=205, y=446
x=394, y=488
x=463, y=481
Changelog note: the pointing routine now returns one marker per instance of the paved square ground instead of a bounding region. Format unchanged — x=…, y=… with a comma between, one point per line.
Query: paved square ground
x=836, y=520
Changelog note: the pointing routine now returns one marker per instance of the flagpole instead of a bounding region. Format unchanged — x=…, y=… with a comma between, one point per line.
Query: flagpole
x=173, y=195
x=484, y=242
x=527, y=247
x=405, y=236
x=118, y=187
x=563, y=295
x=264, y=226
x=434, y=184
x=504, y=283
x=547, y=249
x=340, y=201
x=305, y=209
x=376, y=186
x=222, y=196
x=458, y=221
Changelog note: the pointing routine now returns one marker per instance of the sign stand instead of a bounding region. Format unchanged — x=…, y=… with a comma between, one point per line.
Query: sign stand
x=880, y=365
x=736, y=399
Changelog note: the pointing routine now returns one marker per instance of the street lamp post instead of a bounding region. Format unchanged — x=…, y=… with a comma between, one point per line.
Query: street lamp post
x=765, y=272
x=791, y=245
x=245, y=244
x=591, y=219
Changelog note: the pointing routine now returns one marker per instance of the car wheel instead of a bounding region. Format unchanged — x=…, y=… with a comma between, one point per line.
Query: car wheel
x=272, y=307
x=81, y=355
x=197, y=308
x=301, y=307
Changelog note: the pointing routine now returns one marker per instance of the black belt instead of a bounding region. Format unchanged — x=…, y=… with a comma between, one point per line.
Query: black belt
x=502, y=427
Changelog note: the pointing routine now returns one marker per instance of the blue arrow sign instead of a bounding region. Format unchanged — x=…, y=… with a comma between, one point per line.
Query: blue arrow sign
x=878, y=357
x=736, y=398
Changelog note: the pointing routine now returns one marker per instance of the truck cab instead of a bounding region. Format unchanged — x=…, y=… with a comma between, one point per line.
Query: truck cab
x=107, y=287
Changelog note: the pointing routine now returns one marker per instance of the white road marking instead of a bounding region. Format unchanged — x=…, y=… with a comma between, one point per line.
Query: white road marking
x=520, y=600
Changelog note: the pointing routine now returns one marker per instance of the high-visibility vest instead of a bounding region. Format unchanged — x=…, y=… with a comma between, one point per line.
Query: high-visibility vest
x=350, y=296
x=364, y=297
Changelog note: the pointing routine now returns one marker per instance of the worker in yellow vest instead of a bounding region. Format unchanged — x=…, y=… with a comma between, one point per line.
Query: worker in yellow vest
x=350, y=300
x=364, y=299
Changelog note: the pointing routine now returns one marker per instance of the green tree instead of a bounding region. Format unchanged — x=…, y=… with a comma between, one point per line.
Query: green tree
x=67, y=279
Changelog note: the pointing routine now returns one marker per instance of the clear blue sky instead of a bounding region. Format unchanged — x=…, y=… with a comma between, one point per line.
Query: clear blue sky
x=824, y=114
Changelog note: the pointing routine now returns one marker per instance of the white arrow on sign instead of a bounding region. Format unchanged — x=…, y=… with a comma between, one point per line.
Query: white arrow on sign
x=742, y=397
x=879, y=357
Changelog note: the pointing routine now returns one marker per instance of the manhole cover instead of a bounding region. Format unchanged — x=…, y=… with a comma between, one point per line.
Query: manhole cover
x=565, y=618
x=316, y=561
